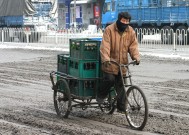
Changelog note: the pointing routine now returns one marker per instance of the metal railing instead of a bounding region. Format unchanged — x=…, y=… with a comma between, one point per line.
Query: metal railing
x=164, y=38
x=151, y=38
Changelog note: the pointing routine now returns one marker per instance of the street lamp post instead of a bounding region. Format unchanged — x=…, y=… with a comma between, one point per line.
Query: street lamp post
x=74, y=14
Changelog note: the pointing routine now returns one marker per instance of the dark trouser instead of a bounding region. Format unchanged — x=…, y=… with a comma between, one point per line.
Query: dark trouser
x=108, y=81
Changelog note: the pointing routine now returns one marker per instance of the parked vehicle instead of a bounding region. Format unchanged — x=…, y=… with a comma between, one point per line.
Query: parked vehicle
x=162, y=14
x=39, y=15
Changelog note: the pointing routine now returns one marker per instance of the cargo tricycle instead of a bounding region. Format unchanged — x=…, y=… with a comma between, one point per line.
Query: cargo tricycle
x=78, y=79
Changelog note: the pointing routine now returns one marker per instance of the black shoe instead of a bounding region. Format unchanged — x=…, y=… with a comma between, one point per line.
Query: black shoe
x=121, y=109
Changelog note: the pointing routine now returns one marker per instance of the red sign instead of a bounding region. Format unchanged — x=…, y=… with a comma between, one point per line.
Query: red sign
x=96, y=11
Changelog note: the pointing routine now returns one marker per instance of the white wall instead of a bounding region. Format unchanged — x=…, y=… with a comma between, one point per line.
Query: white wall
x=87, y=13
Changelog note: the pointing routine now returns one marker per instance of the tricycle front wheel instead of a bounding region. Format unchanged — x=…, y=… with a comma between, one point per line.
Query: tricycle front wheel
x=62, y=98
x=137, y=108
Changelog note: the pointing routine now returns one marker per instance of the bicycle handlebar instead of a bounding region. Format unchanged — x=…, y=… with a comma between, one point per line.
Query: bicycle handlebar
x=134, y=62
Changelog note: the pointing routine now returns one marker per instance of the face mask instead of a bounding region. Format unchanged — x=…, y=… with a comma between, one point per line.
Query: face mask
x=121, y=26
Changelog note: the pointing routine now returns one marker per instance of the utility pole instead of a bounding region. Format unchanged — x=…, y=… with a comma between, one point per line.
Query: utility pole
x=74, y=14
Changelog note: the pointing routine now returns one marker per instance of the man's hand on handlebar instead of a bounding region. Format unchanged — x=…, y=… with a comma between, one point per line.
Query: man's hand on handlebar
x=107, y=63
x=137, y=62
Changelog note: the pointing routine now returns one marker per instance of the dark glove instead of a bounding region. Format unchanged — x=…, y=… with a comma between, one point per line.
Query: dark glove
x=137, y=62
x=107, y=63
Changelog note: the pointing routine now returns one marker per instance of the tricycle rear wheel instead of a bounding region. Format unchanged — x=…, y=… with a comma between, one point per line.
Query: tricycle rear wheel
x=62, y=98
x=109, y=106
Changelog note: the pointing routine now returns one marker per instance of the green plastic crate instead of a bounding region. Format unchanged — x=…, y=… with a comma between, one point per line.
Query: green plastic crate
x=84, y=88
x=84, y=68
x=84, y=48
x=63, y=63
x=100, y=69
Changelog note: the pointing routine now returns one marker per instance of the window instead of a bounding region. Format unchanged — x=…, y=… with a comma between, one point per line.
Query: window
x=107, y=7
x=113, y=5
x=153, y=3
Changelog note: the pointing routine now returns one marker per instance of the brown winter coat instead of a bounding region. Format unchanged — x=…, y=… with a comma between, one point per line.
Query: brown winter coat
x=116, y=46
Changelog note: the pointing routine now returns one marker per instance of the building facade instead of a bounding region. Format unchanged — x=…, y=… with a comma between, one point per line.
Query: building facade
x=87, y=12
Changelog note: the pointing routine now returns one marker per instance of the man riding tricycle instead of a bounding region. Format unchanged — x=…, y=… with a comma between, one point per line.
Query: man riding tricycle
x=96, y=74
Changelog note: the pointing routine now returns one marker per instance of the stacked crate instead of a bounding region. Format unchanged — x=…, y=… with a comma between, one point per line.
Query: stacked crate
x=62, y=63
x=82, y=63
